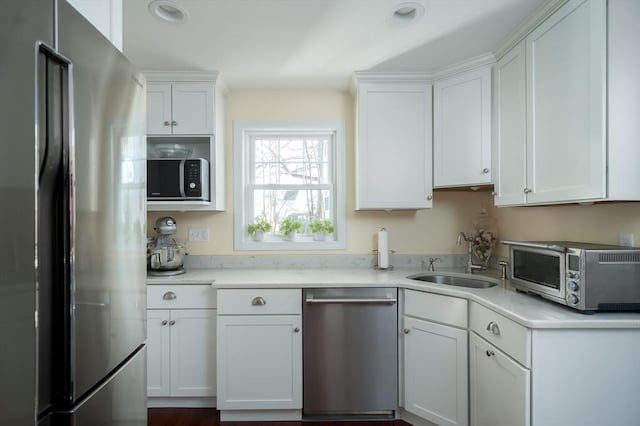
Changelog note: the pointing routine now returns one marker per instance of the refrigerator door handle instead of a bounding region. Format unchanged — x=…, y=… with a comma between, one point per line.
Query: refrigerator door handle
x=55, y=230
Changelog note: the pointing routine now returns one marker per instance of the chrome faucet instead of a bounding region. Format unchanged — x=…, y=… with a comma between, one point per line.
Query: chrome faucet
x=469, y=239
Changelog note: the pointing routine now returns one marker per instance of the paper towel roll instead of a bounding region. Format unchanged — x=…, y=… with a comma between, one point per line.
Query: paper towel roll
x=383, y=249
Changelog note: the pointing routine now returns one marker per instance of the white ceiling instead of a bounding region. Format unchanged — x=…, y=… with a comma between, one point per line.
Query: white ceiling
x=315, y=43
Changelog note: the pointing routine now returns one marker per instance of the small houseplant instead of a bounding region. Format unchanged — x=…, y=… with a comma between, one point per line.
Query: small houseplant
x=288, y=228
x=320, y=228
x=258, y=228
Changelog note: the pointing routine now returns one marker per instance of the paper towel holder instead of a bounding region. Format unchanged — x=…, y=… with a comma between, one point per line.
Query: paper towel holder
x=389, y=268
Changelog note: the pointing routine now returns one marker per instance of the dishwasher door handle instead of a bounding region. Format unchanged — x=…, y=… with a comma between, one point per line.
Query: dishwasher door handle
x=388, y=301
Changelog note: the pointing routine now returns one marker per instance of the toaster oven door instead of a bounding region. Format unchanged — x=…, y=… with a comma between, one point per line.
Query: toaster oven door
x=539, y=271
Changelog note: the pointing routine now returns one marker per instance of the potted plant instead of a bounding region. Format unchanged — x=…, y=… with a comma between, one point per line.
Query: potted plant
x=320, y=228
x=258, y=228
x=289, y=227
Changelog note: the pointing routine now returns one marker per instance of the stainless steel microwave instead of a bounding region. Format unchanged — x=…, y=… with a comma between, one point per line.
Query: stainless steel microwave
x=587, y=277
x=171, y=179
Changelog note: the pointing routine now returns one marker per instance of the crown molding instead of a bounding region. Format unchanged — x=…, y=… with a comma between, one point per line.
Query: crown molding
x=527, y=26
x=181, y=75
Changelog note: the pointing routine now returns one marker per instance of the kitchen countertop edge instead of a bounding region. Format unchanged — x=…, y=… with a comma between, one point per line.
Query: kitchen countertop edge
x=530, y=311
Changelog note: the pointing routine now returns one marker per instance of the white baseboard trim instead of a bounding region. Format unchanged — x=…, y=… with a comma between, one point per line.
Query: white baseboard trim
x=163, y=402
x=260, y=415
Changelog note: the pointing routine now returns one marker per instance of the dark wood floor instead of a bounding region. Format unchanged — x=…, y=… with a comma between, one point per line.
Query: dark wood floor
x=211, y=417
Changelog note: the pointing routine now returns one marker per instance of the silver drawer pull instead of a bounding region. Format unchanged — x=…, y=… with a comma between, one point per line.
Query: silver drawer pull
x=164, y=322
x=169, y=296
x=296, y=330
x=490, y=352
x=258, y=301
x=406, y=331
x=493, y=328
x=172, y=322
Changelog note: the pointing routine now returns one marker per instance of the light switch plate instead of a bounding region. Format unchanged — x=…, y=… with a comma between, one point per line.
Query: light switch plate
x=626, y=239
x=200, y=235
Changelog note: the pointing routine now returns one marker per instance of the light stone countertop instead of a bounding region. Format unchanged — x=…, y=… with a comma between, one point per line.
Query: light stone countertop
x=529, y=311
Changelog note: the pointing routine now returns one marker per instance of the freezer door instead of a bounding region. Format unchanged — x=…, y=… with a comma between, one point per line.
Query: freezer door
x=121, y=400
x=109, y=169
x=22, y=24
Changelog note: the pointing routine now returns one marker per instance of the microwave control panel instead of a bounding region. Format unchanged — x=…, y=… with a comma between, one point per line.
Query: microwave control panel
x=192, y=178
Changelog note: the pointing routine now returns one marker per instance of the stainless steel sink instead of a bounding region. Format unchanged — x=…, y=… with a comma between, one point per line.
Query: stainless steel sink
x=453, y=280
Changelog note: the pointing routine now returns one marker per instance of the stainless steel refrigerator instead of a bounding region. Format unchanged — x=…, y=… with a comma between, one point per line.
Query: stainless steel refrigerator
x=72, y=245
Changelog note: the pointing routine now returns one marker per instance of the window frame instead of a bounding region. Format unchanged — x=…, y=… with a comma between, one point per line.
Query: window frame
x=244, y=132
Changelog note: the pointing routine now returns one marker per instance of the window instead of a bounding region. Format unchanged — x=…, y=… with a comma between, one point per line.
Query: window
x=289, y=173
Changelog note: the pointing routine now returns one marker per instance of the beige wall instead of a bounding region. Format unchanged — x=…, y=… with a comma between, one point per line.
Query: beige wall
x=598, y=223
x=430, y=231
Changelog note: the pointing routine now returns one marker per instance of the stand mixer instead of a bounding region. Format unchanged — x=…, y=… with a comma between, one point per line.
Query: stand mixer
x=165, y=256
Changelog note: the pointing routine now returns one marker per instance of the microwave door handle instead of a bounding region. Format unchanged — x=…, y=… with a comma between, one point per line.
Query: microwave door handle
x=181, y=174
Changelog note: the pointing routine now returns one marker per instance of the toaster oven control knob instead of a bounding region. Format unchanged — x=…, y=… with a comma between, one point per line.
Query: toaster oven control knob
x=192, y=185
x=573, y=286
x=573, y=299
x=574, y=275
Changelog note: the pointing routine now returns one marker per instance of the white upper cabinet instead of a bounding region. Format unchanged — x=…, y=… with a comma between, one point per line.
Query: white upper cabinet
x=184, y=108
x=566, y=71
x=462, y=129
x=564, y=108
x=510, y=118
x=393, y=143
x=105, y=15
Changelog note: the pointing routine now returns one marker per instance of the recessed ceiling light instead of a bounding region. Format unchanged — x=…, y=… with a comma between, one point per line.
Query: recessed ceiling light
x=168, y=11
x=406, y=12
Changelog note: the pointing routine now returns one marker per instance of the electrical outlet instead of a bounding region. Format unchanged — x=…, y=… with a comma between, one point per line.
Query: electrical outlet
x=625, y=239
x=200, y=235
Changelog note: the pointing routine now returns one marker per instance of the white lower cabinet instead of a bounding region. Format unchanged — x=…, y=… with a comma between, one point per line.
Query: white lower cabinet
x=499, y=386
x=259, y=353
x=435, y=358
x=260, y=362
x=181, y=345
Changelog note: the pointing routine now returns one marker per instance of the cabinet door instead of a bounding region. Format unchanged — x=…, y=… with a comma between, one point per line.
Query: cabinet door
x=462, y=129
x=260, y=362
x=435, y=372
x=566, y=72
x=105, y=15
x=509, y=143
x=192, y=108
x=394, y=146
x=500, y=387
x=158, y=353
x=193, y=352
x=158, y=108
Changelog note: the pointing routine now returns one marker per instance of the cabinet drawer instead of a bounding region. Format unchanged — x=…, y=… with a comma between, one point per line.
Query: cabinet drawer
x=434, y=307
x=504, y=333
x=183, y=296
x=259, y=302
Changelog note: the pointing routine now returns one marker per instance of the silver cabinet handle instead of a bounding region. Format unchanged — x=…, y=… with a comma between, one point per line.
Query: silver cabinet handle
x=485, y=171
x=494, y=193
x=406, y=331
x=172, y=322
x=174, y=123
x=490, y=352
x=429, y=197
x=258, y=301
x=169, y=296
x=296, y=330
x=167, y=123
x=527, y=190
x=164, y=322
x=493, y=328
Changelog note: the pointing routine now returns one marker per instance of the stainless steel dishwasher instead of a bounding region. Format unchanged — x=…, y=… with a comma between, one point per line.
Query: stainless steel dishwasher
x=350, y=352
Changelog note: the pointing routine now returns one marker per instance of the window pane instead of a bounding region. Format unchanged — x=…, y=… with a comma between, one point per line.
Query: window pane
x=292, y=161
x=304, y=205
